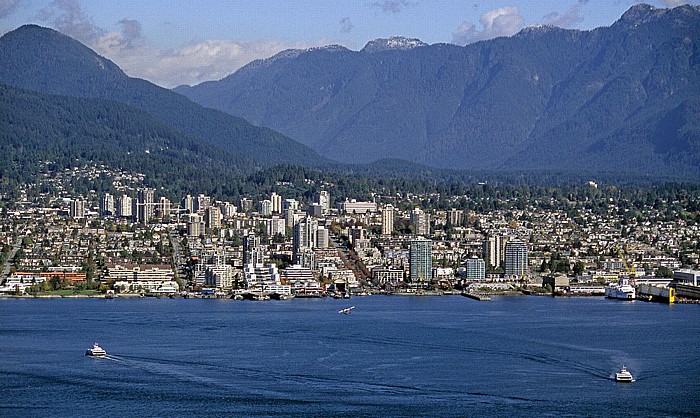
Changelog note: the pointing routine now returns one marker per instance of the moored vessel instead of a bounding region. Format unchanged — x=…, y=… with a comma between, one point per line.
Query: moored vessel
x=620, y=290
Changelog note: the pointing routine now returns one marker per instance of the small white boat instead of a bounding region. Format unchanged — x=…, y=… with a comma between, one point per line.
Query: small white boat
x=96, y=351
x=624, y=376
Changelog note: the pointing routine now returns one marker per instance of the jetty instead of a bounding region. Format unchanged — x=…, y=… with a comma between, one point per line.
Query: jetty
x=476, y=296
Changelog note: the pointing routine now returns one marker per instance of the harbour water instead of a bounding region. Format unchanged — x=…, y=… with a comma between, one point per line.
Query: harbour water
x=392, y=356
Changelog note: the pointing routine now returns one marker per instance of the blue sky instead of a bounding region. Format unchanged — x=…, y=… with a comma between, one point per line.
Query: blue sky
x=187, y=42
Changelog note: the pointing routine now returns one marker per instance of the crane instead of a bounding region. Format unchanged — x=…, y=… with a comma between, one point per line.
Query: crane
x=629, y=268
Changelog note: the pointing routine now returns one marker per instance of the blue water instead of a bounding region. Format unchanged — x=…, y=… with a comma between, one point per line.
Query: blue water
x=393, y=356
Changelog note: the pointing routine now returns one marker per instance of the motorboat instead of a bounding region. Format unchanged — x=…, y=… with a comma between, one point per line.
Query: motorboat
x=96, y=351
x=624, y=376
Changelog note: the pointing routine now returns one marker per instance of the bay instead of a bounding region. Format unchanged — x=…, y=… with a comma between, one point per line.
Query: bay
x=392, y=356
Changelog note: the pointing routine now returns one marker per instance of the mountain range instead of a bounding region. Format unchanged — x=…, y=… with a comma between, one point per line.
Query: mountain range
x=620, y=100
x=623, y=98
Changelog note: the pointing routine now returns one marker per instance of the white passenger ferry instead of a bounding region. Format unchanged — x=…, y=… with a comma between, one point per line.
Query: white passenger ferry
x=96, y=351
x=620, y=290
x=624, y=376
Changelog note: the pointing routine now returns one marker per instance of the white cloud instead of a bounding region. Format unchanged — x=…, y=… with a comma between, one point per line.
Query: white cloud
x=392, y=6
x=67, y=17
x=674, y=3
x=568, y=19
x=505, y=21
x=346, y=25
x=189, y=64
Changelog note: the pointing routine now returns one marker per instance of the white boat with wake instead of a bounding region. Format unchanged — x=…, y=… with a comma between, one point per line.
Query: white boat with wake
x=96, y=351
x=624, y=376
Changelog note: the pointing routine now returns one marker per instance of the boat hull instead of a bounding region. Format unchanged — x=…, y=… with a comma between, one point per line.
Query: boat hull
x=623, y=292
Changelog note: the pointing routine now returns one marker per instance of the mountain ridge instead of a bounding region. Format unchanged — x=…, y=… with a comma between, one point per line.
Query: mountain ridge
x=43, y=60
x=545, y=97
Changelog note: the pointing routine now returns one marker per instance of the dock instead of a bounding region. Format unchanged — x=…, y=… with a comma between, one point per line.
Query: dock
x=656, y=293
x=476, y=296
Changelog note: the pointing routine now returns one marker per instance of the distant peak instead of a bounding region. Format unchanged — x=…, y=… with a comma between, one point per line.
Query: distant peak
x=395, y=43
x=641, y=13
x=287, y=54
x=540, y=29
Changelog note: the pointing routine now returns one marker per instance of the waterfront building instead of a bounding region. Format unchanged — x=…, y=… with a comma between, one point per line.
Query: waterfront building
x=516, y=259
x=342, y=278
x=444, y=274
x=556, y=283
x=296, y=272
x=421, y=222
x=687, y=276
x=134, y=277
x=219, y=276
x=388, y=275
x=388, y=219
x=18, y=283
x=420, y=260
x=475, y=269
x=259, y=275
x=302, y=280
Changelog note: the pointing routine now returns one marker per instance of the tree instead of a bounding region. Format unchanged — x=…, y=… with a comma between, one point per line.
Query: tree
x=664, y=271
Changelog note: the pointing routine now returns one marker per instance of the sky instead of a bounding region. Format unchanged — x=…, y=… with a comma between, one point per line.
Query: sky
x=188, y=42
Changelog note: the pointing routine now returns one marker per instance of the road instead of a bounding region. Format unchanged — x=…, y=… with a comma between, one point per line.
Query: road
x=8, y=265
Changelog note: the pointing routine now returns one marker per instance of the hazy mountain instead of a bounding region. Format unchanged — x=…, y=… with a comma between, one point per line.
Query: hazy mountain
x=623, y=98
x=43, y=60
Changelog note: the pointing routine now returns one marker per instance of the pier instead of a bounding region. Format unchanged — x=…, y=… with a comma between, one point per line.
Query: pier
x=656, y=293
x=476, y=296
